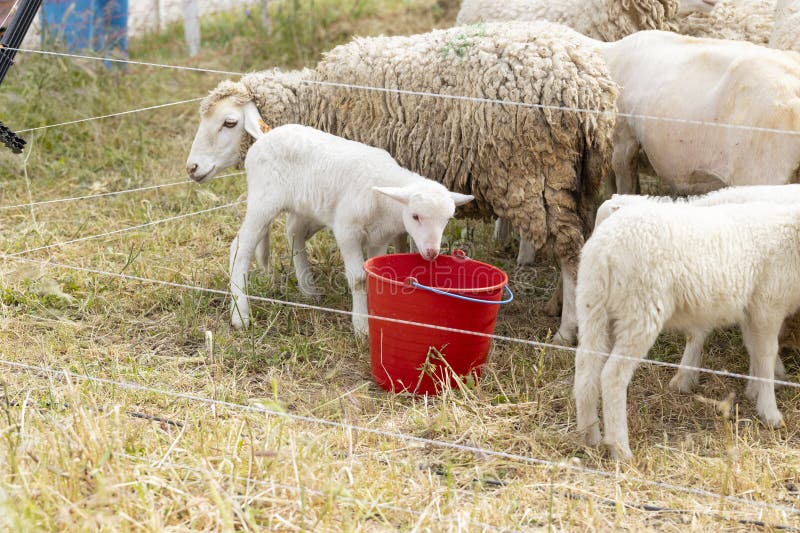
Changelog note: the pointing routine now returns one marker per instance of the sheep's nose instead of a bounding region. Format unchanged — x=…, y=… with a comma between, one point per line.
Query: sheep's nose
x=431, y=254
x=191, y=169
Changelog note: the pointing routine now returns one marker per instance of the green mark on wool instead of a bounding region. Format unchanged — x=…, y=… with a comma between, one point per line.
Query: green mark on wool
x=463, y=41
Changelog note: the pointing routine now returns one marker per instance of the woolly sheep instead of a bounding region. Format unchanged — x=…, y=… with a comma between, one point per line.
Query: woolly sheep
x=663, y=266
x=786, y=31
x=736, y=20
x=607, y=20
x=540, y=168
x=360, y=192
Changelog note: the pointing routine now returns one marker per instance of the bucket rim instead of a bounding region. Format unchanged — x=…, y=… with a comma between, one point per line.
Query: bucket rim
x=368, y=264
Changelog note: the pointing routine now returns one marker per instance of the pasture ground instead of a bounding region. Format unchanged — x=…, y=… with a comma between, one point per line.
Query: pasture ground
x=77, y=455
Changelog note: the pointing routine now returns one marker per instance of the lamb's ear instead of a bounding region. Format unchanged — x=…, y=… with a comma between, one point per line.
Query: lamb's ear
x=461, y=199
x=253, y=120
x=397, y=193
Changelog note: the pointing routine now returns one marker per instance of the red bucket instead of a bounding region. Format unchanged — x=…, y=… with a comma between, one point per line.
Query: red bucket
x=451, y=291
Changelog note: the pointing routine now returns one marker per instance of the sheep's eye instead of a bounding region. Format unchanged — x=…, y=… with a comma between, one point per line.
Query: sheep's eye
x=415, y=217
x=230, y=123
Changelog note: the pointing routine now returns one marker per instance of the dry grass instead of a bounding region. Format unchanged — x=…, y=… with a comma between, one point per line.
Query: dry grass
x=74, y=455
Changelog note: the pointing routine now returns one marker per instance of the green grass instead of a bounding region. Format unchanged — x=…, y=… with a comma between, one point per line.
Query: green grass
x=72, y=456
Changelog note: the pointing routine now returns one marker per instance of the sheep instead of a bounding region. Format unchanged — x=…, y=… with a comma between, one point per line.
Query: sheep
x=685, y=379
x=540, y=167
x=705, y=80
x=607, y=20
x=786, y=31
x=659, y=266
x=736, y=20
x=358, y=191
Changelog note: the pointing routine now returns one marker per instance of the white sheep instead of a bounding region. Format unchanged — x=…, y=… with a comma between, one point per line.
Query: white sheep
x=736, y=20
x=358, y=191
x=607, y=20
x=687, y=80
x=672, y=266
x=786, y=31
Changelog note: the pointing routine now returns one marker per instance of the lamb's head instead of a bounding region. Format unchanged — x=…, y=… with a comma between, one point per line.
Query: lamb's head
x=229, y=121
x=426, y=212
x=695, y=6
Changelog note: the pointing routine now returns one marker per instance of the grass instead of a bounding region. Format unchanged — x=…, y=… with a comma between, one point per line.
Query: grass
x=77, y=455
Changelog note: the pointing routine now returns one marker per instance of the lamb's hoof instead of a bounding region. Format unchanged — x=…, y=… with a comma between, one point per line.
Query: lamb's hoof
x=619, y=451
x=773, y=419
x=563, y=339
x=240, y=323
x=683, y=383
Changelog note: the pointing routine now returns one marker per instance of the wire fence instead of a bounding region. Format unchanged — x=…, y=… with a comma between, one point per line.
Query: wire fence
x=535, y=461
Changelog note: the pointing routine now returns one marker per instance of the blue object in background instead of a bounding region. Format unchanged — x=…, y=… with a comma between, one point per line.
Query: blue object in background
x=81, y=25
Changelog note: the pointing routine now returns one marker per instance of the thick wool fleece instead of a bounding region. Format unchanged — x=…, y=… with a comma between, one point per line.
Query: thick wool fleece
x=606, y=20
x=735, y=20
x=786, y=31
x=539, y=167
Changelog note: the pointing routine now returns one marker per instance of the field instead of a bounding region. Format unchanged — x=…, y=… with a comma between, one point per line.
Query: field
x=280, y=427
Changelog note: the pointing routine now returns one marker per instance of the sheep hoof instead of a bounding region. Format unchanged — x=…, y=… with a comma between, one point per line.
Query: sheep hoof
x=682, y=383
x=619, y=451
x=773, y=419
x=563, y=339
x=239, y=322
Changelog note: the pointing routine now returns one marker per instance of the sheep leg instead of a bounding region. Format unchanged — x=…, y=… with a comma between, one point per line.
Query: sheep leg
x=376, y=250
x=502, y=230
x=255, y=229
x=615, y=378
x=589, y=361
x=353, y=265
x=262, y=253
x=761, y=340
x=569, y=318
x=527, y=254
x=298, y=231
x=401, y=244
x=625, y=159
x=553, y=305
x=685, y=380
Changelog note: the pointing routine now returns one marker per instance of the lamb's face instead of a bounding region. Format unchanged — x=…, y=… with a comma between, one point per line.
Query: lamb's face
x=426, y=214
x=695, y=6
x=217, y=143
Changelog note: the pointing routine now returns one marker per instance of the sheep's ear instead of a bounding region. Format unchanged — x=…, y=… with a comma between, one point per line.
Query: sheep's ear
x=253, y=120
x=397, y=193
x=461, y=199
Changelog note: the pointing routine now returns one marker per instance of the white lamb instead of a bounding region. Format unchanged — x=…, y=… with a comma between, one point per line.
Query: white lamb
x=359, y=192
x=685, y=380
x=663, y=266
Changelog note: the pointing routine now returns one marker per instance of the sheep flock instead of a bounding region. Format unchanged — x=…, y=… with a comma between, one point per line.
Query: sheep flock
x=539, y=110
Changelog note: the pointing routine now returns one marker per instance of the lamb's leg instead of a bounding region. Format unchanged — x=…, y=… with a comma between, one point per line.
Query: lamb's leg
x=353, y=265
x=589, y=361
x=625, y=159
x=569, y=319
x=374, y=251
x=262, y=253
x=401, y=244
x=502, y=230
x=298, y=231
x=632, y=342
x=254, y=230
x=761, y=339
x=685, y=380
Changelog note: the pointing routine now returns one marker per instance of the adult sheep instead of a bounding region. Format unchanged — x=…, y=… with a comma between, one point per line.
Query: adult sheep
x=735, y=20
x=527, y=160
x=607, y=20
x=690, y=82
x=786, y=31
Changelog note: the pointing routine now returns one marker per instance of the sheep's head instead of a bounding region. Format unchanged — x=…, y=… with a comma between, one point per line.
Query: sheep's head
x=229, y=121
x=425, y=214
x=695, y=6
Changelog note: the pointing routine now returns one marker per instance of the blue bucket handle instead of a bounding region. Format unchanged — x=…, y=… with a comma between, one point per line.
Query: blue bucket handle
x=414, y=283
